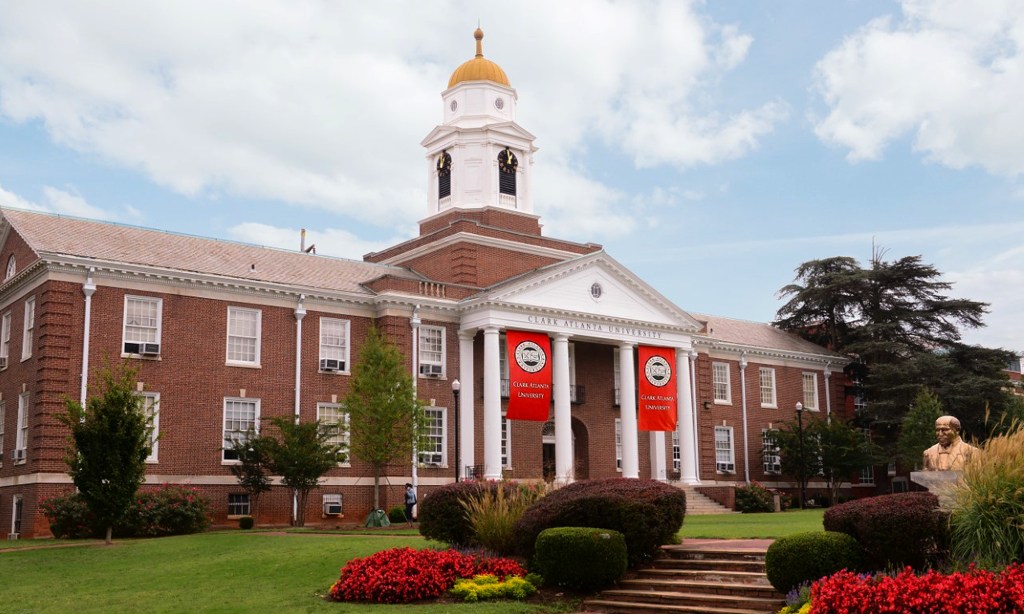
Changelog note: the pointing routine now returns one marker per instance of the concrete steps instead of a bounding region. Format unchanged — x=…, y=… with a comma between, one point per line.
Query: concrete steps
x=706, y=580
x=698, y=504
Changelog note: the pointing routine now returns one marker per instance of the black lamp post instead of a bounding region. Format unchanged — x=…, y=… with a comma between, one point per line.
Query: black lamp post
x=456, y=387
x=800, y=440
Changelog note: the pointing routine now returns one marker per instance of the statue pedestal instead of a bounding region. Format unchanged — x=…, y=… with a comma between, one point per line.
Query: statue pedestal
x=939, y=483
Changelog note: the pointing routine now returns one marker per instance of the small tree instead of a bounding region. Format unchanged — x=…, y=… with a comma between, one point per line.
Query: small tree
x=110, y=440
x=300, y=453
x=799, y=452
x=385, y=418
x=917, y=432
x=253, y=468
x=845, y=450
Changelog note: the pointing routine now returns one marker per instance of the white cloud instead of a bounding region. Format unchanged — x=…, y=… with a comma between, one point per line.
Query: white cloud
x=56, y=201
x=319, y=104
x=949, y=74
x=328, y=242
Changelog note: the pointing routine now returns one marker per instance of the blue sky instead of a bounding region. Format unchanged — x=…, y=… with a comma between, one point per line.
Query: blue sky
x=710, y=147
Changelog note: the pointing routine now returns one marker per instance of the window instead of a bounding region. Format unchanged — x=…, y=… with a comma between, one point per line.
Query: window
x=238, y=505
x=811, y=391
x=770, y=452
x=616, y=375
x=506, y=442
x=725, y=461
x=30, y=324
x=12, y=267
x=676, y=464
x=21, y=435
x=503, y=366
x=151, y=403
x=241, y=417
x=244, y=336
x=334, y=345
x=432, y=352
x=767, y=379
x=333, y=416
x=142, y=325
x=3, y=416
x=432, y=449
x=5, y=340
x=720, y=382
x=618, y=444
x=867, y=475
x=16, y=509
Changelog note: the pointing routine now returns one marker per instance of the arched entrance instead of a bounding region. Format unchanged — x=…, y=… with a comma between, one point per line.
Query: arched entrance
x=580, y=447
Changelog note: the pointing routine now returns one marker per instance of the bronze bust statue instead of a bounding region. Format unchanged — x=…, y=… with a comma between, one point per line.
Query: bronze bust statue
x=951, y=452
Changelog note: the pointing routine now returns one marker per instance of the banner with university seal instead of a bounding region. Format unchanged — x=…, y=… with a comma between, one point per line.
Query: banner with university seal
x=529, y=370
x=657, y=390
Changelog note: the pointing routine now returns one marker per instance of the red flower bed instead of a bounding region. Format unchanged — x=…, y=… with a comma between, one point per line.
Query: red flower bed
x=402, y=575
x=972, y=592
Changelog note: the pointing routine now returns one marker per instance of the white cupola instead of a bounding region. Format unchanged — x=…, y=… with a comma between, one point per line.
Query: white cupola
x=479, y=156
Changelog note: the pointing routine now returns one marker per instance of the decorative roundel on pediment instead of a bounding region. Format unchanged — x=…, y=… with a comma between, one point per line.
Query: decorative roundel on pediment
x=657, y=371
x=596, y=291
x=454, y=105
x=499, y=103
x=530, y=357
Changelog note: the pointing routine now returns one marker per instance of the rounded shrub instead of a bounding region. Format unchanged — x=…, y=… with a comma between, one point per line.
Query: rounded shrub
x=754, y=498
x=396, y=513
x=806, y=557
x=246, y=522
x=580, y=557
x=646, y=512
x=69, y=516
x=442, y=516
x=169, y=510
x=895, y=530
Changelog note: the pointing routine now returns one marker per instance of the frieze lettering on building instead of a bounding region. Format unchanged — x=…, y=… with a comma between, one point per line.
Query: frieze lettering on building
x=594, y=327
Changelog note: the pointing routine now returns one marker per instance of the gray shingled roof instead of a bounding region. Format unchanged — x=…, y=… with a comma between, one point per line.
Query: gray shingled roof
x=54, y=235
x=758, y=334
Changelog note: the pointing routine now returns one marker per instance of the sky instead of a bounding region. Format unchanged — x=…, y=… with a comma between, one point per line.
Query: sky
x=711, y=147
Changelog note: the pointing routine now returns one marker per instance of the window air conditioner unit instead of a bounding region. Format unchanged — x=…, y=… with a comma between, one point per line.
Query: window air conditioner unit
x=332, y=505
x=725, y=467
x=331, y=364
x=772, y=468
x=430, y=370
x=149, y=349
x=3, y=362
x=13, y=536
x=19, y=454
x=130, y=347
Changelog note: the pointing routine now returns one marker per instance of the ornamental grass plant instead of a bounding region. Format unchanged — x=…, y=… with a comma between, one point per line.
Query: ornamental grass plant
x=987, y=524
x=493, y=514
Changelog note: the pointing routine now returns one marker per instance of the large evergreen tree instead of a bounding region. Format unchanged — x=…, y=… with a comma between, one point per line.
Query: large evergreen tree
x=385, y=418
x=896, y=322
x=110, y=440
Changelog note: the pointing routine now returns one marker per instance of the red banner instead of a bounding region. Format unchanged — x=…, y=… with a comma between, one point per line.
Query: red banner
x=529, y=370
x=657, y=406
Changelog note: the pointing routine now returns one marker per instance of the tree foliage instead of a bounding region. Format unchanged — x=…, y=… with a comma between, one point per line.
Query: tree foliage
x=110, y=440
x=902, y=330
x=917, y=432
x=301, y=453
x=385, y=418
x=253, y=468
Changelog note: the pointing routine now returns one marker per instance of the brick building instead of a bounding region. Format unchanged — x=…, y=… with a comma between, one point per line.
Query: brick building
x=224, y=335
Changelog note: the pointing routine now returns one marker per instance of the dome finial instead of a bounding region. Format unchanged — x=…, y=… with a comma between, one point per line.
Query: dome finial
x=479, y=36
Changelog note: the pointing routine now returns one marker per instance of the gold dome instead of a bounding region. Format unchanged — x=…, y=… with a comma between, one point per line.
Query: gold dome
x=479, y=68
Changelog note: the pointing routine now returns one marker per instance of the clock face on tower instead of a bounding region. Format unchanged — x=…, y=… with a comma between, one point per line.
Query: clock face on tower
x=444, y=163
x=507, y=161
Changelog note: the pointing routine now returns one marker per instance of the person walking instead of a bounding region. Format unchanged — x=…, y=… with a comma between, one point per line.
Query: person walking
x=410, y=502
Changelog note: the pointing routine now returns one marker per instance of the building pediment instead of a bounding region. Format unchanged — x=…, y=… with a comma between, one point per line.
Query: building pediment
x=501, y=131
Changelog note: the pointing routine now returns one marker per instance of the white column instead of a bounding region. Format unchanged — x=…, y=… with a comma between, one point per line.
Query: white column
x=467, y=399
x=492, y=405
x=828, y=392
x=658, y=470
x=693, y=403
x=88, y=289
x=563, y=412
x=300, y=312
x=687, y=439
x=627, y=407
x=414, y=323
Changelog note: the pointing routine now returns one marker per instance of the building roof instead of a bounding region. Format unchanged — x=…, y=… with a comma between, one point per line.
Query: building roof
x=479, y=68
x=57, y=235
x=758, y=335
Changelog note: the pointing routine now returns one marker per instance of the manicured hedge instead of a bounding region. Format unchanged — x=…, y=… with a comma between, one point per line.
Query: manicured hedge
x=806, y=557
x=580, y=558
x=646, y=512
x=442, y=517
x=894, y=530
x=169, y=510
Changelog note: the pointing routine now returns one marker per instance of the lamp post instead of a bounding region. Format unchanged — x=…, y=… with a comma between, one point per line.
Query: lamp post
x=800, y=441
x=456, y=387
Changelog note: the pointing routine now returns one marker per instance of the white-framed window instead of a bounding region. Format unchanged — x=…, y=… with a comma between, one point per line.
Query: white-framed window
x=618, y=444
x=336, y=418
x=433, y=448
x=12, y=267
x=30, y=325
x=676, y=452
x=616, y=375
x=5, y=340
x=334, y=336
x=766, y=376
x=3, y=417
x=720, y=382
x=151, y=403
x=17, y=507
x=244, y=336
x=503, y=366
x=867, y=473
x=432, y=351
x=770, y=459
x=241, y=417
x=238, y=505
x=506, y=441
x=21, y=434
x=725, y=457
x=811, y=391
x=890, y=469
x=142, y=317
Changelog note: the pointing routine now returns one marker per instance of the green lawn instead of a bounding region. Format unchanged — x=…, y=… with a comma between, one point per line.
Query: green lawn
x=752, y=526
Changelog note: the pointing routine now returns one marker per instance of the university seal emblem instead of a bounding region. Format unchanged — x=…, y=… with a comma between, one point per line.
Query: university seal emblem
x=657, y=371
x=530, y=357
